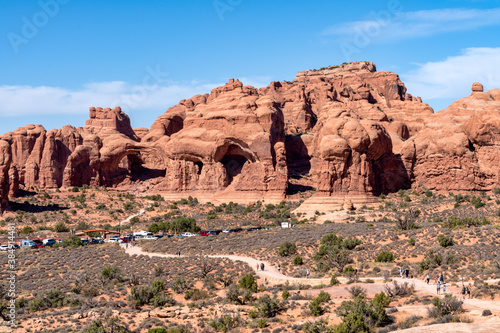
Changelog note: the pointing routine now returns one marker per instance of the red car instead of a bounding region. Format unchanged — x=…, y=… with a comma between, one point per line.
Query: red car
x=204, y=233
x=38, y=244
x=127, y=239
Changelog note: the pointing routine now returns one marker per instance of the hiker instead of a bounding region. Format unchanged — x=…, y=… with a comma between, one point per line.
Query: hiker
x=307, y=274
x=427, y=278
x=257, y=267
x=407, y=271
x=463, y=292
x=401, y=271
x=356, y=273
x=179, y=253
x=468, y=290
x=435, y=280
x=126, y=245
x=444, y=288
x=438, y=287
x=262, y=266
x=441, y=277
x=279, y=268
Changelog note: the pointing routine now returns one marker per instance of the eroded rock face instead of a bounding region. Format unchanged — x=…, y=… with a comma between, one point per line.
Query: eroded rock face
x=345, y=130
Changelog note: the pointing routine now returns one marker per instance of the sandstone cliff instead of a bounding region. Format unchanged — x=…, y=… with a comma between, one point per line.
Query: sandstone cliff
x=345, y=130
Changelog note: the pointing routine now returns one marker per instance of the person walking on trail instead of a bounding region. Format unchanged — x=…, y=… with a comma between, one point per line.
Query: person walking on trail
x=407, y=272
x=427, y=278
x=438, y=287
x=307, y=274
x=262, y=266
x=441, y=277
x=444, y=288
x=401, y=271
x=257, y=267
x=356, y=273
x=463, y=292
x=179, y=253
x=468, y=290
x=279, y=268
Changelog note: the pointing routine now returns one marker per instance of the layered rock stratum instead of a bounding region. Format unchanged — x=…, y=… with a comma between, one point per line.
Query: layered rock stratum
x=346, y=131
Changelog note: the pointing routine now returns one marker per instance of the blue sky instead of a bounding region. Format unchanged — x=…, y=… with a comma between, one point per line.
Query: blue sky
x=61, y=56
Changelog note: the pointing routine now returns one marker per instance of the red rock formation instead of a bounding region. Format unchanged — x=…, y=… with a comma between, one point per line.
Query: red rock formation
x=352, y=131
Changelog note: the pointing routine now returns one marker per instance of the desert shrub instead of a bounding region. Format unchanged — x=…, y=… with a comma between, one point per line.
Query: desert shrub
x=444, y=240
x=82, y=226
x=382, y=299
x=356, y=291
x=428, y=193
x=297, y=261
x=349, y=271
x=333, y=252
x=27, y=230
x=151, y=294
x=287, y=249
x=449, y=305
x=154, y=228
x=385, y=256
x=402, y=290
x=315, y=307
x=268, y=307
x=61, y=227
x=111, y=273
x=225, y=323
x=181, y=284
x=411, y=241
x=155, y=197
x=212, y=215
x=285, y=294
x=334, y=281
x=72, y=241
x=458, y=223
x=248, y=282
x=360, y=314
x=238, y=295
x=323, y=297
x=52, y=299
x=195, y=294
x=184, y=224
x=486, y=313
x=477, y=202
x=261, y=323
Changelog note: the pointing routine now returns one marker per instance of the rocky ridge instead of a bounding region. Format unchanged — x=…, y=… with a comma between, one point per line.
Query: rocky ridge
x=347, y=131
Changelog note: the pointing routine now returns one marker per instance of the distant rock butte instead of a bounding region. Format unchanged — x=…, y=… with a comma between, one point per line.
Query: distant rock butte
x=348, y=131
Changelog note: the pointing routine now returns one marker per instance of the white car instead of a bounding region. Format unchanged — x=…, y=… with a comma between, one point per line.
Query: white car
x=4, y=247
x=226, y=231
x=187, y=234
x=150, y=237
x=114, y=239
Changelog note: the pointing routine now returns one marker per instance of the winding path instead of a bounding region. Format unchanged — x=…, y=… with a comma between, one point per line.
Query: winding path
x=271, y=274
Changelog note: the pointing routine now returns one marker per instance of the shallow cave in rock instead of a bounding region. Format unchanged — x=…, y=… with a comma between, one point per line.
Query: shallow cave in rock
x=233, y=165
x=133, y=166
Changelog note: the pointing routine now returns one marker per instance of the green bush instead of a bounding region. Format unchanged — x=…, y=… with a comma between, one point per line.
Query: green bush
x=477, y=202
x=111, y=273
x=428, y=193
x=248, y=282
x=297, y=261
x=224, y=323
x=286, y=249
x=268, y=307
x=382, y=299
x=385, y=256
x=27, y=230
x=444, y=240
x=411, y=241
x=334, y=281
x=72, y=241
x=61, y=227
x=285, y=294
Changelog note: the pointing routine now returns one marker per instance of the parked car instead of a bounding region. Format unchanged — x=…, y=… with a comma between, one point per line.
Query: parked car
x=113, y=239
x=214, y=232
x=226, y=231
x=159, y=235
x=96, y=241
x=253, y=228
x=28, y=243
x=126, y=239
x=15, y=247
x=49, y=241
x=38, y=243
x=204, y=233
x=186, y=234
x=4, y=247
x=151, y=237
x=236, y=230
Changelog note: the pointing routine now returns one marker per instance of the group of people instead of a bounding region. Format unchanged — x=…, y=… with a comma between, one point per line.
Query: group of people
x=465, y=290
x=405, y=273
x=261, y=266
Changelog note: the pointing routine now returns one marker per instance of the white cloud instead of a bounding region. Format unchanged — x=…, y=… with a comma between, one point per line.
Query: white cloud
x=386, y=26
x=452, y=78
x=29, y=100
